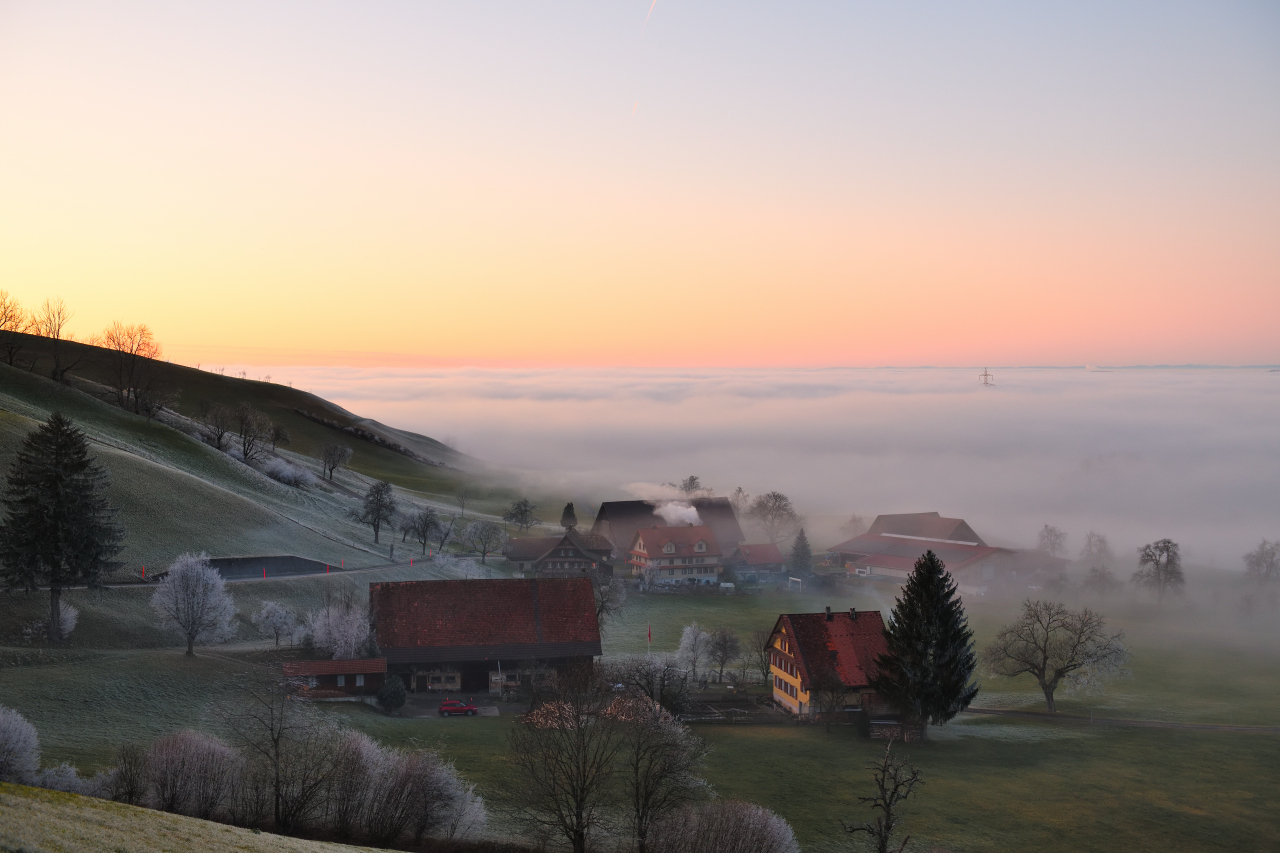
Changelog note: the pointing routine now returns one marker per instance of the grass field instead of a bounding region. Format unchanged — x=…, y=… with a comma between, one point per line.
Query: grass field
x=37, y=821
x=992, y=784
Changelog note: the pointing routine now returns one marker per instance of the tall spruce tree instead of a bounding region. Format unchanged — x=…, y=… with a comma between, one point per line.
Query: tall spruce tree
x=926, y=673
x=58, y=528
x=569, y=518
x=801, y=559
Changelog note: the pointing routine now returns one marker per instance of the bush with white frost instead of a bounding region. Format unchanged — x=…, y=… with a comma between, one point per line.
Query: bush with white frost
x=341, y=629
x=723, y=826
x=62, y=777
x=275, y=620
x=19, y=748
x=283, y=471
x=189, y=773
x=193, y=600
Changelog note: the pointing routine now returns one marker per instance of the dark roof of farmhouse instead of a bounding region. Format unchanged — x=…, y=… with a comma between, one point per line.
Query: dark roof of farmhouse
x=895, y=552
x=851, y=642
x=364, y=666
x=619, y=520
x=453, y=620
x=926, y=526
x=534, y=548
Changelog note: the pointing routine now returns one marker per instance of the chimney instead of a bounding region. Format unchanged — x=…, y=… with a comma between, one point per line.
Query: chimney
x=853, y=614
x=828, y=614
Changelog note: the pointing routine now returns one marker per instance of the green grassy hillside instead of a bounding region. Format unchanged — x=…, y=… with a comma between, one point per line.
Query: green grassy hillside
x=36, y=821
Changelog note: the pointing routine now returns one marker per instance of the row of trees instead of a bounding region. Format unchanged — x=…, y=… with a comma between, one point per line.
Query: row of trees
x=286, y=767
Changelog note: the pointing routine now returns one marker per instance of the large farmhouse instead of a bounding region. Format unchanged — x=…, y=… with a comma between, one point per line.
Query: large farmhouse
x=571, y=554
x=473, y=636
x=806, y=648
x=618, y=521
x=891, y=546
x=667, y=556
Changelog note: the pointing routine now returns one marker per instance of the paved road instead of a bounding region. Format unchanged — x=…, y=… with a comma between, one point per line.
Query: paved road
x=1141, y=724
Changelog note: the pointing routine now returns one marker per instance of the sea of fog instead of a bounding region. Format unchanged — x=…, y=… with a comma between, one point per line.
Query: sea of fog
x=1135, y=453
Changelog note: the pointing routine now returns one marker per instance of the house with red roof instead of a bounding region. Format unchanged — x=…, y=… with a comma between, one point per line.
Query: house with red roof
x=331, y=679
x=757, y=562
x=669, y=556
x=474, y=636
x=806, y=649
x=890, y=547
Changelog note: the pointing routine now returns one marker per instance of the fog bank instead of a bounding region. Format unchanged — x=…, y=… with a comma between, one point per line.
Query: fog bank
x=1138, y=453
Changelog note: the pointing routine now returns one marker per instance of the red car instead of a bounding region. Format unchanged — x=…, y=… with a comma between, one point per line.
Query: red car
x=449, y=707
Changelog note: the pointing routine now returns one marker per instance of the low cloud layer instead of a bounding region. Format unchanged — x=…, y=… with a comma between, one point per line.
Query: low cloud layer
x=1134, y=453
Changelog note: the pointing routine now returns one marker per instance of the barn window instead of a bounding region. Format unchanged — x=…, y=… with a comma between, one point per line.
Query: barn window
x=359, y=681
x=342, y=681
x=311, y=681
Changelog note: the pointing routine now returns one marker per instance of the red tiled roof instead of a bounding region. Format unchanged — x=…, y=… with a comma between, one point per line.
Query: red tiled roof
x=893, y=552
x=759, y=555
x=335, y=667
x=652, y=541
x=484, y=613
x=857, y=642
x=925, y=525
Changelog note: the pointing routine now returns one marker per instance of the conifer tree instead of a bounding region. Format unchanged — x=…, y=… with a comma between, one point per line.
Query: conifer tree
x=801, y=560
x=58, y=528
x=926, y=673
x=569, y=518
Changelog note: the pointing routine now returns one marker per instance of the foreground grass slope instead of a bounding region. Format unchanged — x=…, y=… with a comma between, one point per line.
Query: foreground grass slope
x=37, y=821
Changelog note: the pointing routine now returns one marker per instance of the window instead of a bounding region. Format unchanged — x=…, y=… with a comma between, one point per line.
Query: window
x=342, y=681
x=359, y=681
x=701, y=560
x=686, y=571
x=311, y=681
x=700, y=547
x=669, y=548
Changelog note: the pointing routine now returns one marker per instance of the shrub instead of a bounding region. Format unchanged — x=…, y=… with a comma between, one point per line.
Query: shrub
x=190, y=772
x=62, y=777
x=19, y=748
x=283, y=471
x=392, y=694
x=724, y=827
x=128, y=783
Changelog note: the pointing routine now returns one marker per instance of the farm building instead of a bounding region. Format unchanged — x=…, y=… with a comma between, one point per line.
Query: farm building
x=891, y=546
x=806, y=648
x=756, y=562
x=474, y=636
x=667, y=556
x=618, y=521
x=572, y=554
x=336, y=678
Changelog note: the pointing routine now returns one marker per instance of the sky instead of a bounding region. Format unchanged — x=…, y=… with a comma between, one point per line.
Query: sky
x=1135, y=454
x=650, y=184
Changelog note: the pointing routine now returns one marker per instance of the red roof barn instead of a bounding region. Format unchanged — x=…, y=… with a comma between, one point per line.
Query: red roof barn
x=463, y=631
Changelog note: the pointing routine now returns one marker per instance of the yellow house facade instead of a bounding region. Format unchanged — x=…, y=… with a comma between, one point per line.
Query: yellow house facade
x=809, y=648
x=788, y=690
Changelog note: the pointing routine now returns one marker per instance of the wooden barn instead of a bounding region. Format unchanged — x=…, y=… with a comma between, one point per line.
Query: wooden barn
x=481, y=636
x=336, y=678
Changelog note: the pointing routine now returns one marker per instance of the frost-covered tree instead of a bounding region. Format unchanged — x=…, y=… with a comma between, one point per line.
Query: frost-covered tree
x=724, y=826
x=58, y=529
x=723, y=647
x=275, y=620
x=484, y=537
x=341, y=628
x=19, y=748
x=695, y=646
x=333, y=457
x=193, y=600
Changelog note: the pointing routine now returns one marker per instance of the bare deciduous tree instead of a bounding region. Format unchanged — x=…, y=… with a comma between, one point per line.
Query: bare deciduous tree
x=254, y=429
x=484, y=537
x=421, y=525
x=218, y=423
x=1160, y=568
x=189, y=772
x=611, y=598
x=193, y=600
x=1263, y=562
x=1101, y=582
x=379, y=507
x=463, y=496
x=895, y=782
x=658, y=676
x=1051, y=540
x=1096, y=550
x=660, y=761
x=776, y=516
x=723, y=648
x=444, y=532
x=279, y=435
x=521, y=515
x=562, y=755
x=14, y=323
x=334, y=456
x=129, y=776
x=1056, y=646
x=855, y=526
x=759, y=652
x=50, y=321
x=741, y=502
x=133, y=345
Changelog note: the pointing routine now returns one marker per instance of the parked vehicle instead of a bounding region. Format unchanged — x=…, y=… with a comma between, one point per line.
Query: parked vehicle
x=453, y=707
